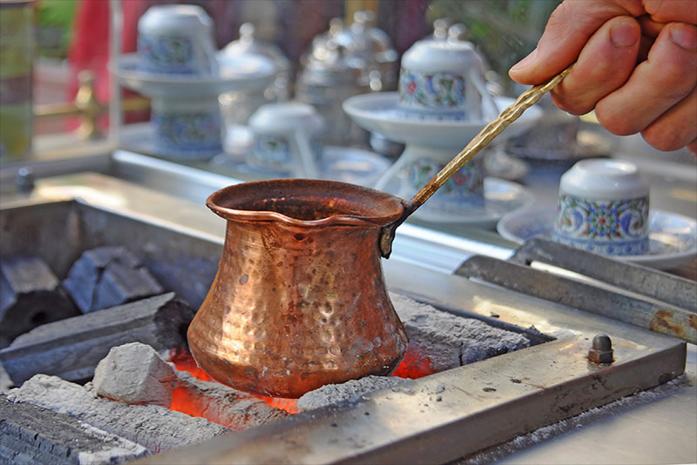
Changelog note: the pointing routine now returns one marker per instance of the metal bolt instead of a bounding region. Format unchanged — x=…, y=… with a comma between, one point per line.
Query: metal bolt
x=25, y=180
x=601, y=352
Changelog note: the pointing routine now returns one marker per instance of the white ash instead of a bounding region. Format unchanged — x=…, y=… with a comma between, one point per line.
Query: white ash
x=134, y=373
x=544, y=433
x=121, y=448
x=350, y=391
x=450, y=340
x=152, y=426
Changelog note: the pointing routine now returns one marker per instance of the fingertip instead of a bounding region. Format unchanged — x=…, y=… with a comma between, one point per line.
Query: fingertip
x=683, y=35
x=521, y=71
x=624, y=31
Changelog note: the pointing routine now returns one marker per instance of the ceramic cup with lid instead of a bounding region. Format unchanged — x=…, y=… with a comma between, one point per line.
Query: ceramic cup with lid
x=286, y=138
x=604, y=208
x=177, y=39
x=443, y=80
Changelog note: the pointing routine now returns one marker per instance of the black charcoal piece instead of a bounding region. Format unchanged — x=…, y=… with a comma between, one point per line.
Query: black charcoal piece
x=30, y=295
x=37, y=436
x=108, y=276
x=72, y=348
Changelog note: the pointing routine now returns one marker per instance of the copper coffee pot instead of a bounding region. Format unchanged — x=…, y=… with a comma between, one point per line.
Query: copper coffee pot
x=299, y=300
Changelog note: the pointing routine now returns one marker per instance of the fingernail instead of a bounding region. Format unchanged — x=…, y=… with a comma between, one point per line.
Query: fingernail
x=652, y=6
x=624, y=35
x=684, y=36
x=525, y=62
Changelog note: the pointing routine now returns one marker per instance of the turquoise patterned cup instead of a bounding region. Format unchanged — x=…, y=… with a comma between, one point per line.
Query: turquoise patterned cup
x=177, y=39
x=443, y=80
x=604, y=208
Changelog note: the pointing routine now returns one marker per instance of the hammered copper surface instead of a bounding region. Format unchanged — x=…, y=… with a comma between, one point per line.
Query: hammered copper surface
x=299, y=299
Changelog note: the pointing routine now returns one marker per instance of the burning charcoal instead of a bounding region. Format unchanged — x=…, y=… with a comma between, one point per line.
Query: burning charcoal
x=108, y=276
x=72, y=348
x=152, y=426
x=134, y=373
x=33, y=435
x=450, y=340
x=223, y=405
x=30, y=295
x=350, y=391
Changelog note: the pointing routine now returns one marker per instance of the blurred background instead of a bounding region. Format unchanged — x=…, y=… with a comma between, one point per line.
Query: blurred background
x=64, y=112
x=73, y=35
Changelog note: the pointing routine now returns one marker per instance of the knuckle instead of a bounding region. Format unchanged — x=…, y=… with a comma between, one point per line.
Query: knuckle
x=662, y=138
x=573, y=100
x=675, y=78
x=559, y=100
x=615, y=122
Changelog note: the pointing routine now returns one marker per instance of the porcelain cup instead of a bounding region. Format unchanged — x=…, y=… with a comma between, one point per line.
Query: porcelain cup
x=177, y=39
x=604, y=208
x=188, y=129
x=418, y=164
x=286, y=138
x=444, y=80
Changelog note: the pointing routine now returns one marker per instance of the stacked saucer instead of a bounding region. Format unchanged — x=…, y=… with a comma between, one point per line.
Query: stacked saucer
x=442, y=103
x=178, y=68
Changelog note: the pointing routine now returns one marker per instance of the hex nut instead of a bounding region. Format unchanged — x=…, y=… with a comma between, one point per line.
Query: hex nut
x=601, y=351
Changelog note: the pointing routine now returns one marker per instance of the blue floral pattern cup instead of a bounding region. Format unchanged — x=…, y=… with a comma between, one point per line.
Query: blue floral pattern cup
x=464, y=189
x=604, y=208
x=443, y=80
x=177, y=39
x=465, y=185
x=423, y=93
x=189, y=130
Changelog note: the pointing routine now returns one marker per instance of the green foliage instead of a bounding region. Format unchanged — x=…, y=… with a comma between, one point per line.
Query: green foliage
x=54, y=23
x=504, y=30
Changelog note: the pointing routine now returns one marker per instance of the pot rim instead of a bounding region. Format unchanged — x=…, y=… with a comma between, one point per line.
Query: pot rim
x=380, y=208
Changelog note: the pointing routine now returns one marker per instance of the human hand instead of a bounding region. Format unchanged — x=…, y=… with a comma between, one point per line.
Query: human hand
x=636, y=65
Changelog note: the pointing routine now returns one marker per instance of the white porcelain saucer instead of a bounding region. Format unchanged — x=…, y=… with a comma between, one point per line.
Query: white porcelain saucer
x=501, y=165
x=346, y=164
x=380, y=112
x=673, y=237
x=500, y=198
x=140, y=138
x=588, y=144
x=240, y=73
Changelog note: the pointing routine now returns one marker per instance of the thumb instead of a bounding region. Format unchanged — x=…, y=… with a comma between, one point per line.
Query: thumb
x=568, y=29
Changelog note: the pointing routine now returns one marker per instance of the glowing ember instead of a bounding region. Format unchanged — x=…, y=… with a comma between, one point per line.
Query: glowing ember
x=289, y=405
x=183, y=361
x=183, y=401
x=414, y=365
